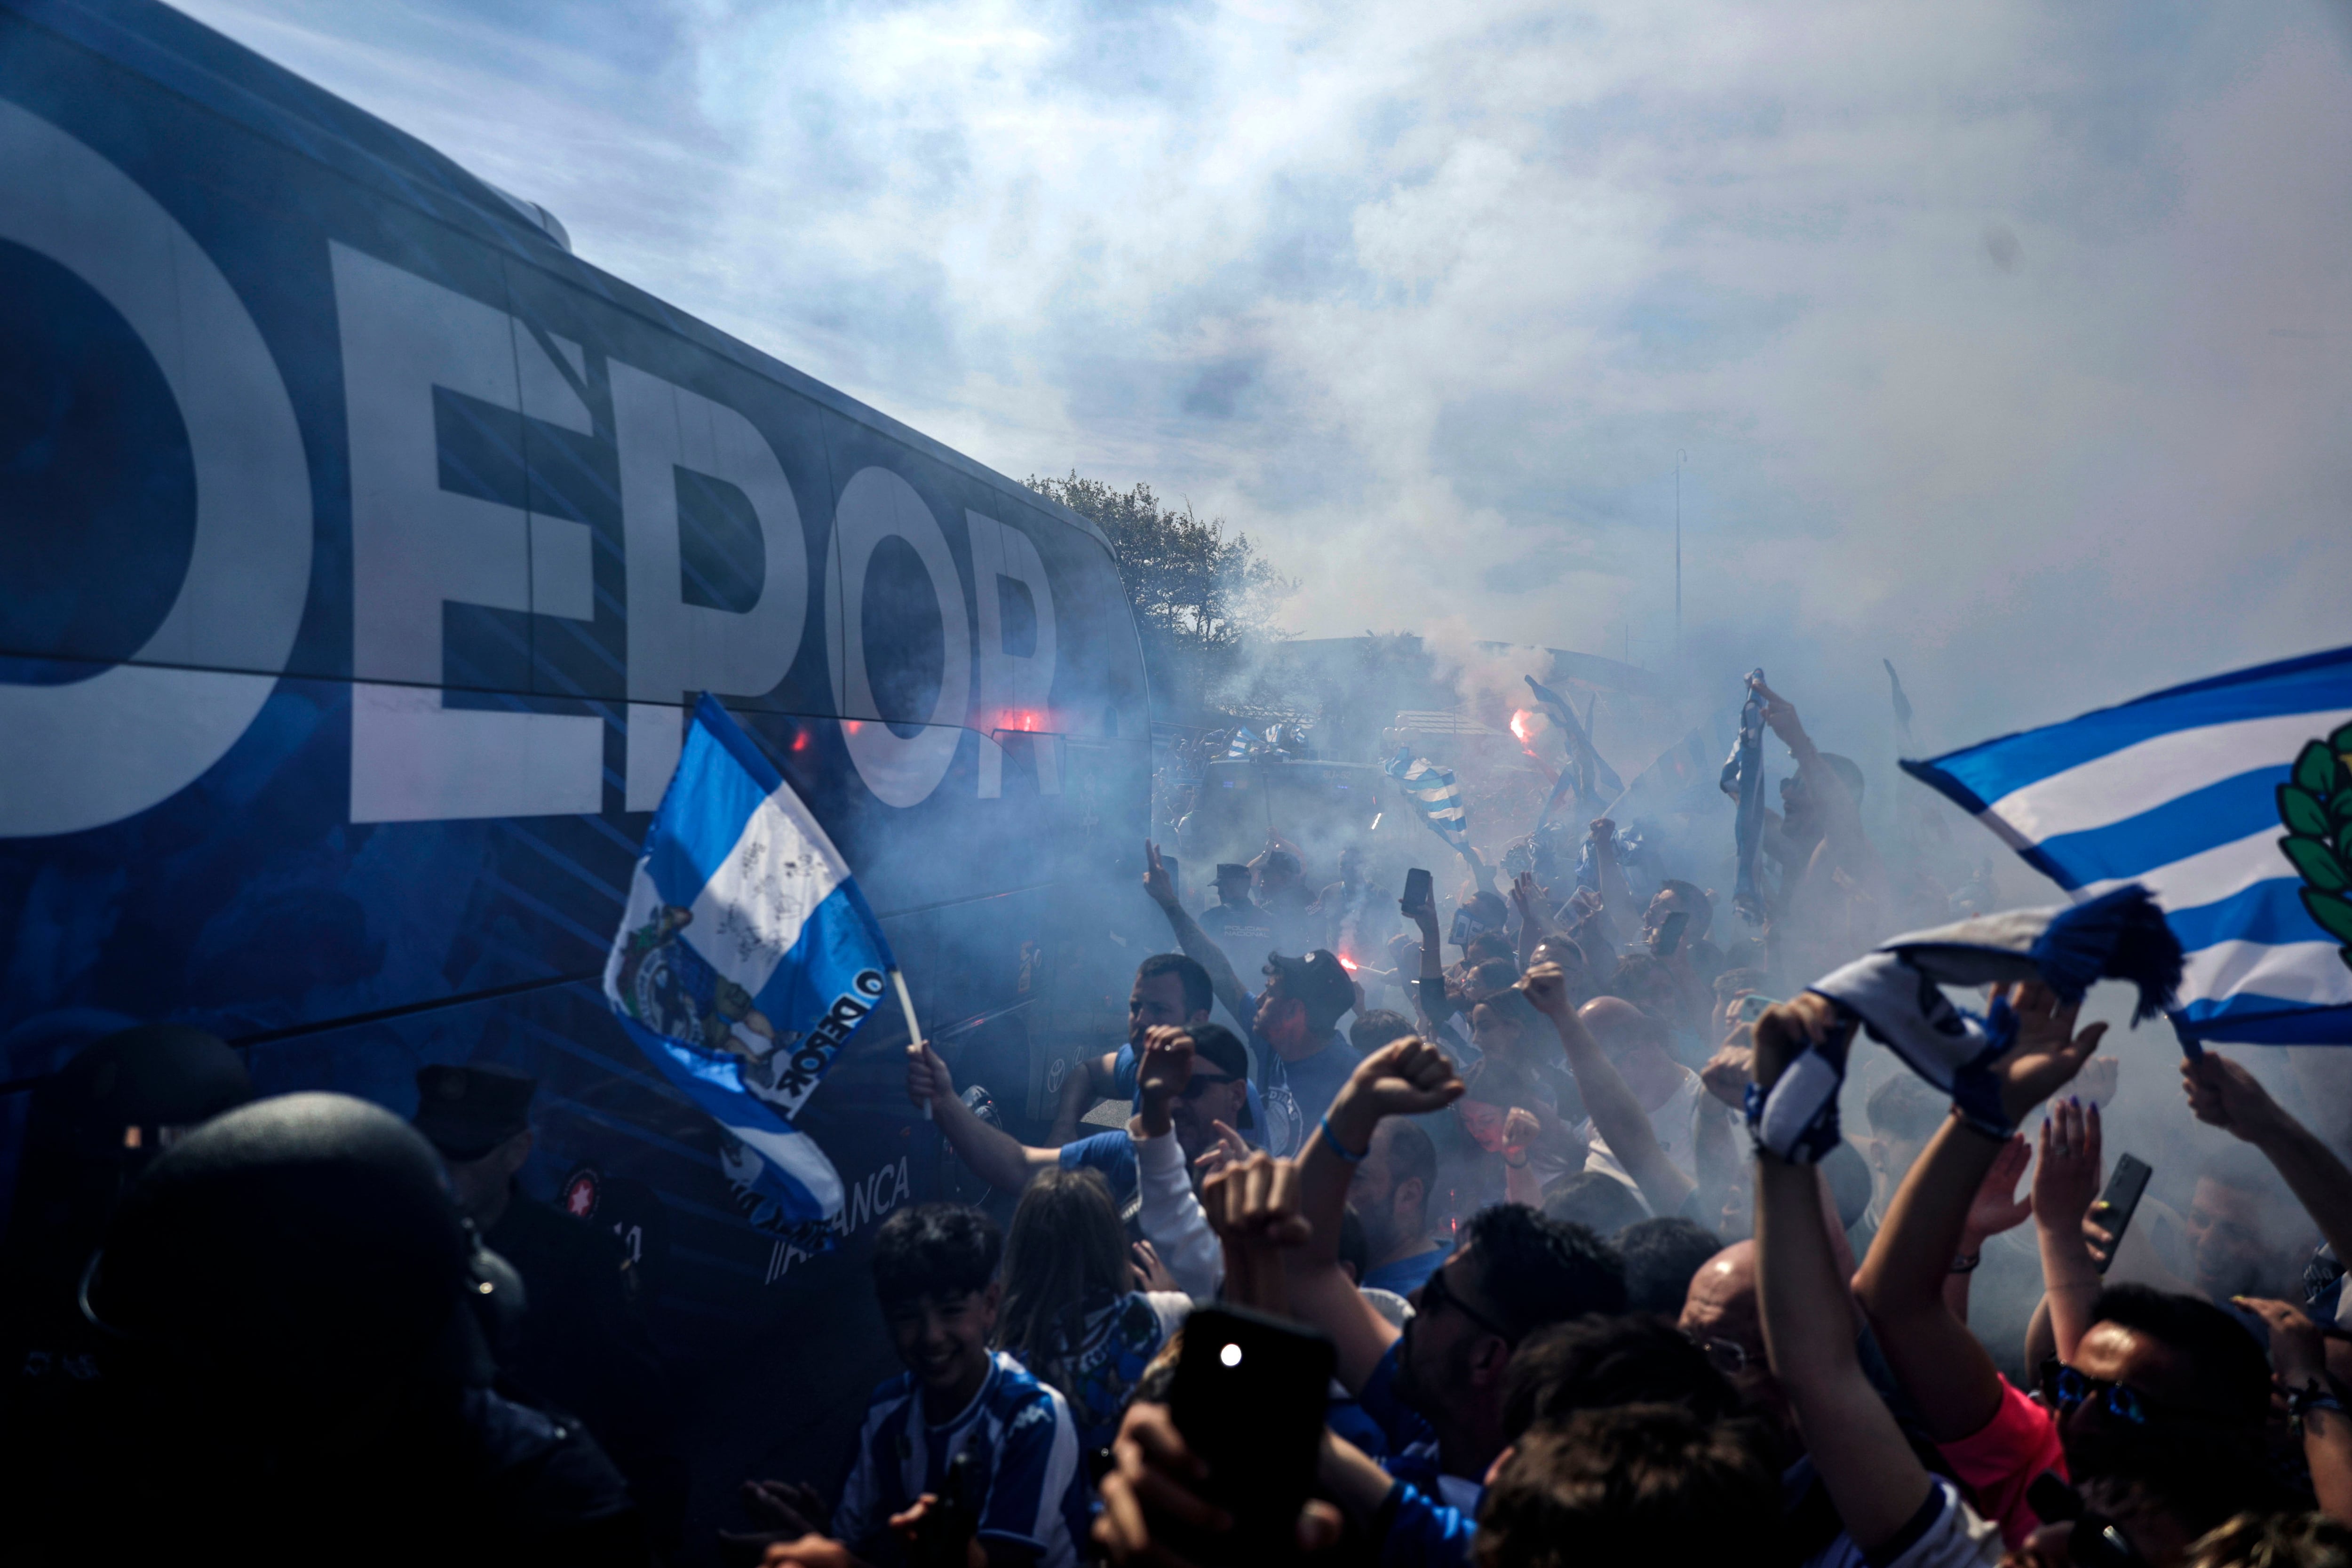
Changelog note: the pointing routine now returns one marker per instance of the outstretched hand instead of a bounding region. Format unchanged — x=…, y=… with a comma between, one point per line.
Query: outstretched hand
x=1405, y=1078
x=1252, y=1206
x=2049, y=1051
x=1787, y=1030
x=2066, y=1179
x=1157, y=882
x=1997, y=1207
x=2222, y=1093
x=927, y=1077
x=1166, y=1066
x=1230, y=1148
x=1546, y=988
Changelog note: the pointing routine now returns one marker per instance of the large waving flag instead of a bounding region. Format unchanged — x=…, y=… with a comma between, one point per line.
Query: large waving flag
x=1433, y=793
x=745, y=960
x=2231, y=800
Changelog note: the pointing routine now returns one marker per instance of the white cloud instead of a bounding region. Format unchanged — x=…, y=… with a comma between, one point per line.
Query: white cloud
x=2009, y=342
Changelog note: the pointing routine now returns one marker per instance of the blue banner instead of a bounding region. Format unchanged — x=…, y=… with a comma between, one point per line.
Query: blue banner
x=2231, y=800
x=745, y=960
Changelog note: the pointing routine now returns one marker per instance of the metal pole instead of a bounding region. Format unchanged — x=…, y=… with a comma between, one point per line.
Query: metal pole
x=1679, y=456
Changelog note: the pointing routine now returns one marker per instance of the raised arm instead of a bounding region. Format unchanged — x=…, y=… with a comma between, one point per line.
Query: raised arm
x=2065, y=1182
x=1196, y=943
x=1403, y=1077
x=2300, y=1356
x=1874, y=1479
x=995, y=1156
x=1170, y=1215
x=2224, y=1094
x=1617, y=1116
x=1901, y=1285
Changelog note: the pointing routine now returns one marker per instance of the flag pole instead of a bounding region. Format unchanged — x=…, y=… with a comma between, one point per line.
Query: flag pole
x=914, y=1030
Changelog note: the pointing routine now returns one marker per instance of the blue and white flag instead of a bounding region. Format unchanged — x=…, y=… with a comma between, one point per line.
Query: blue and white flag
x=745, y=960
x=1433, y=793
x=2231, y=800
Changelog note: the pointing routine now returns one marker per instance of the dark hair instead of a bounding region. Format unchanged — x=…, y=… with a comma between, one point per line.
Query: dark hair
x=1354, y=1249
x=1491, y=944
x=2274, y=1541
x=1497, y=973
x=1282, y=862
x=1597, y=1362
x=1538, y=1270
x=1639, y=1483
x=1697, y=905
x=1411, y=1154
x=1199, y=995
x=1848, y=772
x=1905, y=1107
x=1512, y=1006
x=1487, y=909
x=2230, y=1377
x=1661, y=1254
x=1376, y=1029
x=1221, y=1049
x=1065, y=1256
x=1491, y=1080
x=932, y=1248
x=1595, y=1200
x=1636, y=974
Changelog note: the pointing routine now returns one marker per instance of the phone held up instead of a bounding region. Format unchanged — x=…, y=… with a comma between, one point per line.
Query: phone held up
x=1419, y=892
x=2113, y=1210
x=1249, y=1397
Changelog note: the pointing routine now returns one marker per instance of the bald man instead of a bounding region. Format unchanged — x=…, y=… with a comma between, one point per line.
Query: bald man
x=1635, y=1044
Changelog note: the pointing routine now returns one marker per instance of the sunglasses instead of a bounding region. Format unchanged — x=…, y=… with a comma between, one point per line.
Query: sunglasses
x=2065, y=1391
x=1198, y=1085
x=1436, y=1295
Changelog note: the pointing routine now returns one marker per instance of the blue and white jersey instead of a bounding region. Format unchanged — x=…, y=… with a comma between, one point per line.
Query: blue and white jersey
x=1019, y=1431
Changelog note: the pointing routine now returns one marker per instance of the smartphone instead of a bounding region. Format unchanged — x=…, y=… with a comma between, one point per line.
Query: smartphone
x=1752, y=1006
x=1175, y=873
x=2113, y=1212
x=1418, y=891
x=1249, y=1397
x=944, y=1537
x=1670, y=933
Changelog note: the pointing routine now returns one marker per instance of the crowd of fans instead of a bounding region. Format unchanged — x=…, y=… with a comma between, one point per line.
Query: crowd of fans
x=1498, y=1176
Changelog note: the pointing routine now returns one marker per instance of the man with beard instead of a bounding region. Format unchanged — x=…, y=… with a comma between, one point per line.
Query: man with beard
x=1390, y=1195
x=2232, y=1214
x=1437, y=1387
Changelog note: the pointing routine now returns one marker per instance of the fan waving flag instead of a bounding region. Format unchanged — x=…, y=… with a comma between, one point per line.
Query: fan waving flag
x=2231, y=801
x=745, y=960
x=1433, y=793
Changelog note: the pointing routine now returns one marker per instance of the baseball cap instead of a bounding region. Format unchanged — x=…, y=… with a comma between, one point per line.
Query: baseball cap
x=1318, y=980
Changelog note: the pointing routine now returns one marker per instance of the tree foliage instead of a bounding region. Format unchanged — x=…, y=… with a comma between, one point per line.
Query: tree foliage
x=1202, y=597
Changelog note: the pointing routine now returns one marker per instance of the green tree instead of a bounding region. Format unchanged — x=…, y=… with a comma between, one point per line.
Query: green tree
x=1202, y=597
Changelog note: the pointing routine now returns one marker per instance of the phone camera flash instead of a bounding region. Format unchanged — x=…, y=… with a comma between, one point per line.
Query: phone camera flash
x=1231, y=1355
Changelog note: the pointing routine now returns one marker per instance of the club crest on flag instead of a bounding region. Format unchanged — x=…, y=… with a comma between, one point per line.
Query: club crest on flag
x=2316, y=807
x=745, y=960
x=2184, y=792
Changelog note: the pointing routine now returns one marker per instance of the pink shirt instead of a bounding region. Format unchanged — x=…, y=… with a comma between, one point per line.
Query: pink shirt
x=2006, y=1456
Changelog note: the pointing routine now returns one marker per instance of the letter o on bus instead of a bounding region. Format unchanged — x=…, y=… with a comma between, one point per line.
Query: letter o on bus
x=94, y=752
x=876, y=505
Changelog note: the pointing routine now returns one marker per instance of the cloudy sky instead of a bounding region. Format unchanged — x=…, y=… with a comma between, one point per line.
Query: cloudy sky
x=2013, y=342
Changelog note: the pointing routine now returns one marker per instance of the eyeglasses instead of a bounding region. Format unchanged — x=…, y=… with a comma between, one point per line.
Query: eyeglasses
x=1436, y=1295
x=1728, y=1357
x=1198, y=1085
x=2065, y=1390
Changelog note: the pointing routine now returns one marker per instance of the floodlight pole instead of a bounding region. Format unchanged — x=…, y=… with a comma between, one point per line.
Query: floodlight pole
x=1679, y=456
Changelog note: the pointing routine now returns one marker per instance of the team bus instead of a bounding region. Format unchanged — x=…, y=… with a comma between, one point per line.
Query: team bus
x=365, y=549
